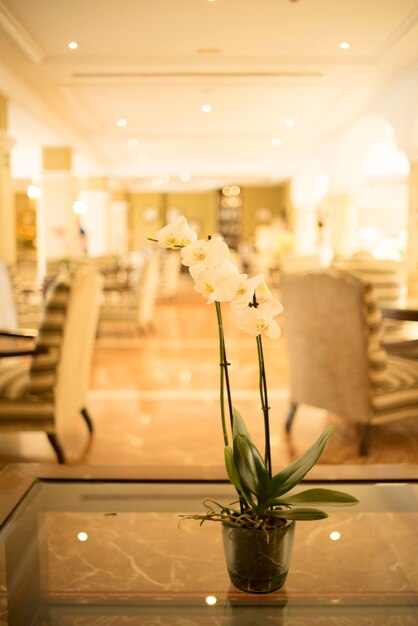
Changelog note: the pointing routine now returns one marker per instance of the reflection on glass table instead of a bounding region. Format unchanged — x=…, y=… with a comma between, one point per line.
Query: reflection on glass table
x=86, y=552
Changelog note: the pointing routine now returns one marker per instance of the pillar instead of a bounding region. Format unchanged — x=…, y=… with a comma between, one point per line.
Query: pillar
x=95, y=221
x=7, y=206
x=341, y=213
x=118, y=220
x=412, y=245
x=57, y=225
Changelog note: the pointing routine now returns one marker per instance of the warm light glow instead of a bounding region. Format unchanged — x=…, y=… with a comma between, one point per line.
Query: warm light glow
x=185, y=376
x=121, y=122
x=185, y=177
x=82, y=536
x=133, y=141
x=143, y=157
x=289, y=122
x=335, y=535
x=206, y=108
x=344, y=45
x=150, y=214
x=33, y=191
x=211, y=600
x=156, y=181
x=73, y=45
x=145, y=419
x=276, y=141
x=235, y=190
x=79, y=207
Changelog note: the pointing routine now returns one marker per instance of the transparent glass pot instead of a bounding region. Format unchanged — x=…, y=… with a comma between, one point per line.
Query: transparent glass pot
x=258, y=560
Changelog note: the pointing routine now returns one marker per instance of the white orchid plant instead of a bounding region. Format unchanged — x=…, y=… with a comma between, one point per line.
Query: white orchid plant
x=263, y=498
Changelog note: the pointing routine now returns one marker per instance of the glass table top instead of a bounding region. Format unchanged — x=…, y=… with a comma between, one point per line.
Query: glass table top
x=79, y=553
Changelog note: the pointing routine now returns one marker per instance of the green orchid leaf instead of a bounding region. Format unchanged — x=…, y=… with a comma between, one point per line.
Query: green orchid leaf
x=230, y=468
x=239, y=427
x=250, y=467
x=291, y=475
x=301, y=513
x=234, y=478
x=317, y=497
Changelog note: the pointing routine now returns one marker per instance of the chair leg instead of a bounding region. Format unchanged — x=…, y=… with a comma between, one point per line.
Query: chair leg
x=291, y=414
x=365, y=439
x=87, y=419
x=53, y=440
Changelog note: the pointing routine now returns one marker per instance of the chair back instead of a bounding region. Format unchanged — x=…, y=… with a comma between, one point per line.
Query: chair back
x=68, y=331
x=332, y=327
x=8, y=314
x=170, y=273
x=147, y=290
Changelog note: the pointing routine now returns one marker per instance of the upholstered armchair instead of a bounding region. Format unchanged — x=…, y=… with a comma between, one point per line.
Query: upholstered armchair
x=49, y=390
x=332, y=323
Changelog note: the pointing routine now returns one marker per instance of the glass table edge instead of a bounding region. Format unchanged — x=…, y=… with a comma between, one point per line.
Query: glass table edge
x=16, y=480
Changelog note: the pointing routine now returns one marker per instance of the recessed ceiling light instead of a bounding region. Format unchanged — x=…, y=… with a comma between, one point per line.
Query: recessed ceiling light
x=276, y=141
x=185, y=177
x=206, y=108
x=289, y=122
x=73, y=45
x=133, y=141
x=121, y=122
x=344, y=45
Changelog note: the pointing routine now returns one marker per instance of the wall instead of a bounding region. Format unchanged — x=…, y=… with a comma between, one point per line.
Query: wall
x=140, y=227
x=149, y=211
x=198, y=208
x=275, y=199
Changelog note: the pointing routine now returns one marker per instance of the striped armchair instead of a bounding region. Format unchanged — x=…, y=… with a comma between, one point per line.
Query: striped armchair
x=42, y=395
x=333, y=327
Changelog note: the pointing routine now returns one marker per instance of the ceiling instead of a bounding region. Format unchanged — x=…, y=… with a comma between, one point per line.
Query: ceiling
x=155, y=62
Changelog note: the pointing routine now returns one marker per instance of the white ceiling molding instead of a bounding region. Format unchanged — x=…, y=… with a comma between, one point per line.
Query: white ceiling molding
x=398, y=34
x=20, y=93
x=86, y=117
x=20, y=36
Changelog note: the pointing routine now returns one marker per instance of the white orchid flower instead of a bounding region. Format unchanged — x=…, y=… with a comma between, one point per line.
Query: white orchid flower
x=218, y=284
x=246, y=290
x=205, y=254
x=176, y=235
x=262, y=292
x=257, y=320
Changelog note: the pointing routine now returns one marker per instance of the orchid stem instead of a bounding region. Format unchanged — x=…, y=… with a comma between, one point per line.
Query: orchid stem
x=224, y=380
x=264, y=403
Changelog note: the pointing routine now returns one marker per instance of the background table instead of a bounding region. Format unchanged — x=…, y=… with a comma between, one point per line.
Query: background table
x=402, y=309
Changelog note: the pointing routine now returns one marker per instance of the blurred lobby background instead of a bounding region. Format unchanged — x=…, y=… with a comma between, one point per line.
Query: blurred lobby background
x=288, y=127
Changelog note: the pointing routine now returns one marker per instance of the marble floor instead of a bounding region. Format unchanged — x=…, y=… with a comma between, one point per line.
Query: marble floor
x=154, y=400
